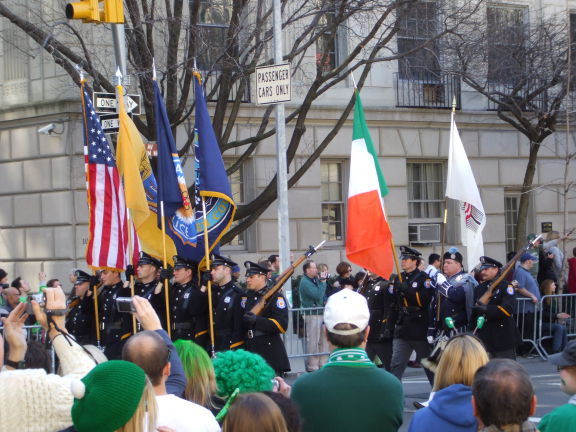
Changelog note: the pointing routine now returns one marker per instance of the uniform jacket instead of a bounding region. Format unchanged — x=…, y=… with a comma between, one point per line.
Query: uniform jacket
x=412, y=300
x=189, y=313
x=228, y=330
x=380, y=300
x=156, y=299
x=499, y=332
x=265, y=337
x=114, y=326
x=80, y=320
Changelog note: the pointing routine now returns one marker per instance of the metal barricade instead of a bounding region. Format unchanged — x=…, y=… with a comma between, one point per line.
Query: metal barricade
x=550, y=325
x=526, y=317
x=305, y=329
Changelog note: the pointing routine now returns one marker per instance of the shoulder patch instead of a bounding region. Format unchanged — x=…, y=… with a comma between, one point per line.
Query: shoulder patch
x=280, y=303
x=510, y=290
x=428, y=283
x=243, y=302
x=391, y=289
x=414, y=284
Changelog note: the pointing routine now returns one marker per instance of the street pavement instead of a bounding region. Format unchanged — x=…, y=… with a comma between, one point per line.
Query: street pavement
x=416, y=388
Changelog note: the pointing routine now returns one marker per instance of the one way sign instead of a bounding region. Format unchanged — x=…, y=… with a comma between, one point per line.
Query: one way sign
x=107, y=103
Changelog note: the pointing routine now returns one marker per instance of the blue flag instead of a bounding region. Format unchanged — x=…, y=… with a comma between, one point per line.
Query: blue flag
x=172, y=190
x=211, y=180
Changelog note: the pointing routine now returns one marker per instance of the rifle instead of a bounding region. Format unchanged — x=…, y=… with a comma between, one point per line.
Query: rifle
x=263, y=302
x=510, y=264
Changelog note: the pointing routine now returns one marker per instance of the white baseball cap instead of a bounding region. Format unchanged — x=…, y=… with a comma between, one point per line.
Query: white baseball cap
x=346, y=307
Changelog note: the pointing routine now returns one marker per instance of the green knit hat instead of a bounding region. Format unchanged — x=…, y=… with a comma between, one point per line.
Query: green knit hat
x=106, y=398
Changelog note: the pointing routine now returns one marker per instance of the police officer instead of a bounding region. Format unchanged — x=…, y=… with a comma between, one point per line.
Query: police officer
x=496, y=302
x=80, y=320
x=380, y=297
x=454, y=296
x=150, y=284
x=188, y=304
x=412, y=299
x=226, y=297
x=262, y=332
x=115, y=327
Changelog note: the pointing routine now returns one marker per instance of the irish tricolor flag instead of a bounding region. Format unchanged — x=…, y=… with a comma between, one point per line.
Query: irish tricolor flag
x=368, y=234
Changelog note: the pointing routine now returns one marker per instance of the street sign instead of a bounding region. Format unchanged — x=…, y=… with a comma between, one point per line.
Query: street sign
x=107, y=103
x=110, y=123
x=273, y=84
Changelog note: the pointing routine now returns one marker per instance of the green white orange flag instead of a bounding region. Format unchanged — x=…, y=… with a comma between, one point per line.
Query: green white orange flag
x=368, y=236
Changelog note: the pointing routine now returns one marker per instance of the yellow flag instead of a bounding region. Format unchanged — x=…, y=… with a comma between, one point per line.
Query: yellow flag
x=134, y=167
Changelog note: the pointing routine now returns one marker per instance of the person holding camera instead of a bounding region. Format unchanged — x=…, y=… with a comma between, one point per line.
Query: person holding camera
x=115, y=327
x=33, y=400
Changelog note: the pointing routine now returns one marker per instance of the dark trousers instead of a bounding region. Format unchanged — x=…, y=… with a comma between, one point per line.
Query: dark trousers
x=382, y=349
x=506, y=354
x=401, y=350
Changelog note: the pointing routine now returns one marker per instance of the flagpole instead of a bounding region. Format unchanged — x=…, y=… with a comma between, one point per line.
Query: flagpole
x=209, y=285
x=166, y=293
x=443, y=244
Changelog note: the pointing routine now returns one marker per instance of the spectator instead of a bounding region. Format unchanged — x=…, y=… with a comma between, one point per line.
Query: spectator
x=254, y=412
x=312, y=290
x=344, y=279
x=433, y=265
x=503, y=397
x=535, y=252
x=373, y=397
x=526, y=286
x=12, y=296
x=289, y=410
x=274, y=261
x=551, y=317
x=3, y=285
x=563, y=418
x=200, y=376
x=153, y=351
x=554, y=255
x=116, y=395
x=32, y=400
x=37, y=356
x=21, y=285
x=572, y=273
x=450, y=409
x=242, y=369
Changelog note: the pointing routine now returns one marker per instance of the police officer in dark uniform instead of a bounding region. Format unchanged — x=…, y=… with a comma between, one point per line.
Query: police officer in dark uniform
x=454, y=297
x=150, y=284
x=188, y=304
x=262, y=332
x=80, y=320
x=226, y=298
x=380, y=297
x=115, y=327
x=412, y=300
x=496, y=303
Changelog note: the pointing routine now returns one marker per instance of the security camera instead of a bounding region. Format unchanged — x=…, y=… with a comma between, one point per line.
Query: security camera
x=48, y=129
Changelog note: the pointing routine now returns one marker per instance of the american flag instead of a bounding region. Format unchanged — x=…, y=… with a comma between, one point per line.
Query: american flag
x=108, y=237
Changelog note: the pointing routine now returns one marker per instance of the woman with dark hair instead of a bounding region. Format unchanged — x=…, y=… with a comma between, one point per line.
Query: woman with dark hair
x=345, y=279
x=551, y=315
x=254, y=412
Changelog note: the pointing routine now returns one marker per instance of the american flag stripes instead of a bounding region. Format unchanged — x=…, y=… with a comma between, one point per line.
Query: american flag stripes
x=108, y=242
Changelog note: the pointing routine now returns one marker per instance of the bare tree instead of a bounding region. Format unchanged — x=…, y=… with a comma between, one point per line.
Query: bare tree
x=227, y=40
x=521, y=68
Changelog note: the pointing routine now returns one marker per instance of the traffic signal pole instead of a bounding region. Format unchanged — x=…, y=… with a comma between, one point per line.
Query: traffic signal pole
x=119, y=37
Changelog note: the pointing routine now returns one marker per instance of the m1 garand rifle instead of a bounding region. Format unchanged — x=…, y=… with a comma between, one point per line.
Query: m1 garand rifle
x=264, y=301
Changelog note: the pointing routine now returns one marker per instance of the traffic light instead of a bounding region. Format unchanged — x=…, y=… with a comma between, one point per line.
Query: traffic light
x=90, y=11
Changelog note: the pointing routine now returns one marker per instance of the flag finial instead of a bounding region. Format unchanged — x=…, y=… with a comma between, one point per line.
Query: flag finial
x=80, y=72
x=454, y=103
x=353, y=80
x=153, y=68
x=118, y=76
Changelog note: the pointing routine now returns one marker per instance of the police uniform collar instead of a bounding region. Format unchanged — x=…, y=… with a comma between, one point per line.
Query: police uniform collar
x=413, y=272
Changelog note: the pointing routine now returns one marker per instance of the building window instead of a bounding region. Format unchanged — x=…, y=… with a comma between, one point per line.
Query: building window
x=332, y=200
x=418, y=22
x=331, y=45
x=213, y=21
x=506, y=33
x=573, y=51
x=425, y=190
x=510, y=219
x=237, y=185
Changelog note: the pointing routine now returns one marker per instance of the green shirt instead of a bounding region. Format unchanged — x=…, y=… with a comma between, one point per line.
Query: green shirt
x=349, y=394
x=562, y=419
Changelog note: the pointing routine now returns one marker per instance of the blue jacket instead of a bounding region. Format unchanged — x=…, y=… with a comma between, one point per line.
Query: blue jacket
x=449, y=411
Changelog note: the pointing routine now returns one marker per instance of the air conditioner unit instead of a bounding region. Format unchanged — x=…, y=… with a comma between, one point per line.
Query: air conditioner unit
x=424, y=233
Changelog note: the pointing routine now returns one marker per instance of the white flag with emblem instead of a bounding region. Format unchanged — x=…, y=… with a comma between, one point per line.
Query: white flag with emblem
x=461, y=186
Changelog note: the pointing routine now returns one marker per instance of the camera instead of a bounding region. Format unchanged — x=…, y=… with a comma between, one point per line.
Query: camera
x=39, y=298
x=5, y=286
x=125, y=305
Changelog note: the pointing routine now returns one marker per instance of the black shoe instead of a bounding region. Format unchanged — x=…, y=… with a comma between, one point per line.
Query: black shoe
x=418, y=405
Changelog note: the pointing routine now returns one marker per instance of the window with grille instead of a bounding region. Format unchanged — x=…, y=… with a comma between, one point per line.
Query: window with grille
x=425, y=191
x=237, y=185
x=418, y=22
x=506, y=33
x=332, y=200
x=331, y=45
x=510, y=220
x=213, y=21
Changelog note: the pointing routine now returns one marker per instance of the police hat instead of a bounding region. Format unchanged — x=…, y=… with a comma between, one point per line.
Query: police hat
x=409, y=253
x=453, y=254
x=219, y=260
x=488, y=262
x=253, y=268
x=81, y=277
x=148, y=259
x=180, y=263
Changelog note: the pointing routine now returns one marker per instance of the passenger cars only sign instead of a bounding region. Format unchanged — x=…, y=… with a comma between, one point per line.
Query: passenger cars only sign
x=273, y=84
